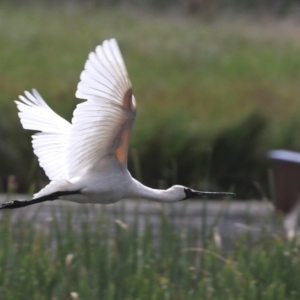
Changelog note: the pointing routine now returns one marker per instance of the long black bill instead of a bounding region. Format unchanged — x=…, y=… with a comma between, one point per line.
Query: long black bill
x=22, y=203
x=190, y=193
x=214, y=194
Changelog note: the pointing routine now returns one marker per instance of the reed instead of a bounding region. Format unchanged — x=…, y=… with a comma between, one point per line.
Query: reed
x=81, y=251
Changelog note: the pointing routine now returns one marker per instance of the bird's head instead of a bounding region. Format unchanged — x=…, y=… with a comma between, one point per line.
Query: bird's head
x=181, y=193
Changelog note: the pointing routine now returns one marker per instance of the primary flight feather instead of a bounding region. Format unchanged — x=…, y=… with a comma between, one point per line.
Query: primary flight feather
x=86, y=160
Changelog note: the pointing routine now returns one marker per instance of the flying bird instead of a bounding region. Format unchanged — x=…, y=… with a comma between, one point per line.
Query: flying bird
x=86, y=160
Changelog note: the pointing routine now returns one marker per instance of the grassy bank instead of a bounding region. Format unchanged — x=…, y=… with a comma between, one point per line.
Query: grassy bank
x=212, y=97
x=111, y=259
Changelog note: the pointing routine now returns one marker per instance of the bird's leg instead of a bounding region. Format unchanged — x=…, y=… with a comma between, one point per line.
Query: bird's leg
x=14, y=204
x=22, y=203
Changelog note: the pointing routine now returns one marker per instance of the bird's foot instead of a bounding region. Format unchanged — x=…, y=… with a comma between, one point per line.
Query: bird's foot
x=14, y=204
x=21, y=203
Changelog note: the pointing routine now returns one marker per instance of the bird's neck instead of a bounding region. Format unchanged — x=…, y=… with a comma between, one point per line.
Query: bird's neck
x=141, y=191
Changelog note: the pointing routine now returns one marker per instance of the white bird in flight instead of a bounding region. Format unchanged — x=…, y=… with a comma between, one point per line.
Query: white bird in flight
x=86, y=160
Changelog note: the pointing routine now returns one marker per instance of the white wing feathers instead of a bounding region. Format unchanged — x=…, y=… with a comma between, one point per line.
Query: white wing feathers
x=100, y=126
x=104, y=74
x=50, y=144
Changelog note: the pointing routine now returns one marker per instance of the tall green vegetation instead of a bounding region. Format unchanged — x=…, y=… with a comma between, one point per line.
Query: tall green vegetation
x=212, y=97
x=84, y=253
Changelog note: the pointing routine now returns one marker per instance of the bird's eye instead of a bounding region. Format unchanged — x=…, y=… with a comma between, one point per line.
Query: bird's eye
x=188, y=193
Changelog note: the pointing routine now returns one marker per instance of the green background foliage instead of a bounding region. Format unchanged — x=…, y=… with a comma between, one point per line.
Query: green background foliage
x=213, y=96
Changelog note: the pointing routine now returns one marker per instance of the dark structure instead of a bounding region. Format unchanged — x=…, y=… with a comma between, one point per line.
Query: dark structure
x=286, y=167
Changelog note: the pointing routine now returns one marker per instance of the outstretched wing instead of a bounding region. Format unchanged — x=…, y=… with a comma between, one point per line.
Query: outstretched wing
x=50, y=144
x=101, y=125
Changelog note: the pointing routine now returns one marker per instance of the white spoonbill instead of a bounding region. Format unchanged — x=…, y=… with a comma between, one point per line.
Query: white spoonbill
x=86, y=160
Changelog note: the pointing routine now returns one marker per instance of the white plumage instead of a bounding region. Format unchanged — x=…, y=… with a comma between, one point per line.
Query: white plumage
x=49, y=146
x=86, y=160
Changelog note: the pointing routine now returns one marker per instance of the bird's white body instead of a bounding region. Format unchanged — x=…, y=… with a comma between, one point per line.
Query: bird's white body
x=109, y=187
x=86, y=160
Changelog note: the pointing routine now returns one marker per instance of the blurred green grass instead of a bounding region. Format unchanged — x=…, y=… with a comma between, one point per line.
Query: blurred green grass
x=107, y=259
x=195, y=83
